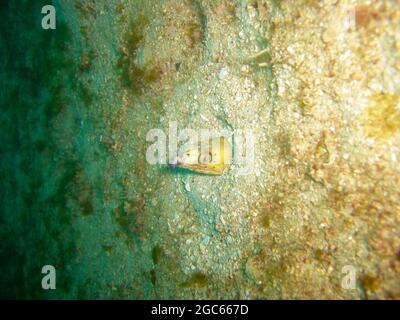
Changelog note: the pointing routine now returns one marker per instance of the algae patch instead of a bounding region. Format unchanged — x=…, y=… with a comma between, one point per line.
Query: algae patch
x=198, y=279
x=156, y=254
x=133, y=75
x=382, y=116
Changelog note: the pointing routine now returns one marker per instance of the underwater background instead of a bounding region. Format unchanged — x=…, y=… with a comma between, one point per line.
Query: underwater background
x=318, y=82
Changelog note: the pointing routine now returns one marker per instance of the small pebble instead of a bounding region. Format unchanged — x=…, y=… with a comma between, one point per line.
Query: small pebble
x=223, y=73
x=187, y=187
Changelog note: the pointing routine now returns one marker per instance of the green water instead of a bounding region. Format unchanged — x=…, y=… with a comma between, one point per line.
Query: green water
x=51, y=174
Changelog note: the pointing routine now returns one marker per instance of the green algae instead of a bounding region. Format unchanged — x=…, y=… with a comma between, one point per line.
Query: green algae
x=132, y=75
x=197, y=279
x=265, y=220
x=86, y=94
x=86, y=61
x=86, y=10
x=107, y=248
x=194, y=34
x=153, y=277
x=156, y=254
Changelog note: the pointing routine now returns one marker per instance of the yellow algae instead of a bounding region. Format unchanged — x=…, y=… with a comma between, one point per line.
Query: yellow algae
x=382, y=116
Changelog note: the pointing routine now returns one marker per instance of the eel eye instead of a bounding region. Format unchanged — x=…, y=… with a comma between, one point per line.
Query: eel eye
x=205, y=158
